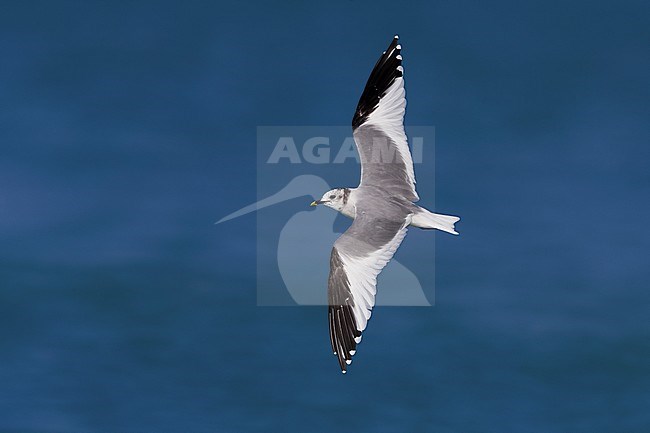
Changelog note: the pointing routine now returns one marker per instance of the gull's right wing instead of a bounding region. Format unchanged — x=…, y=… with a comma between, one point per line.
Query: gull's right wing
x=357, y=258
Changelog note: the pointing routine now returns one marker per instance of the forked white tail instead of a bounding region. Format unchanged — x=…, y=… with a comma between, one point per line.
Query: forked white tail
x=429, y=220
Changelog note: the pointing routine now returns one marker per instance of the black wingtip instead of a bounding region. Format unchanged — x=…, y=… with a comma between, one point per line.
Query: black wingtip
x=386, y=70
x=344, y=334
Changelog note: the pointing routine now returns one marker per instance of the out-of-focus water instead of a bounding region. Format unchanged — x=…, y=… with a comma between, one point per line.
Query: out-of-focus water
x=126, y=130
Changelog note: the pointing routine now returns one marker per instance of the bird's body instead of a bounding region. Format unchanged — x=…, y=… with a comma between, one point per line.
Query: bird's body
x=421, y=217
x=382, y=206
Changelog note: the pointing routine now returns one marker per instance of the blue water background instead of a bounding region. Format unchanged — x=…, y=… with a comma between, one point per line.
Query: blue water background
x=128, y=128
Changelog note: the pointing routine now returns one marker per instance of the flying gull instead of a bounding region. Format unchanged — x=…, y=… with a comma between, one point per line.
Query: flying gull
x=382, y=206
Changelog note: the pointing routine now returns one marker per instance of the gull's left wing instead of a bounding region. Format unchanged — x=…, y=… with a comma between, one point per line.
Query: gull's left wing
x=378, y=128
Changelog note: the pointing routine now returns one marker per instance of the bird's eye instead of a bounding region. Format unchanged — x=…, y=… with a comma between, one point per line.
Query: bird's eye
x=332, y=197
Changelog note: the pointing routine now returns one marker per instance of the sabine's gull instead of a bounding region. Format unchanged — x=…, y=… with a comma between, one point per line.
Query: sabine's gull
x=382, y=206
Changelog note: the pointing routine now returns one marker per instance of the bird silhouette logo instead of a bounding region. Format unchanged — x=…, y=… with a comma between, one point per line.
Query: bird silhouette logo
x=302, y=265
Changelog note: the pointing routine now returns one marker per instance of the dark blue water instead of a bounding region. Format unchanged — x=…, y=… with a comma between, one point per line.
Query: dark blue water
x=127, y=129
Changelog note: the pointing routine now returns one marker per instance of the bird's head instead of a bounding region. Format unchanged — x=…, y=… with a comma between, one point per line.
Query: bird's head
x=334, y=198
